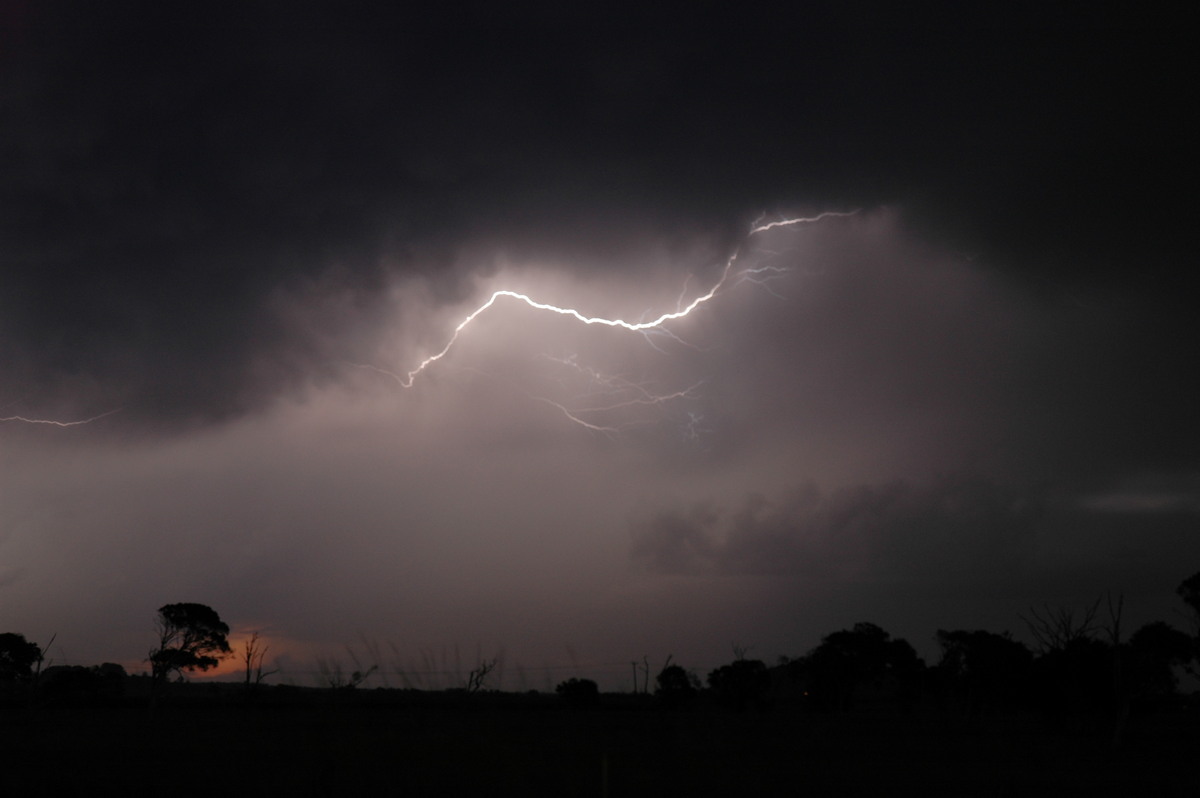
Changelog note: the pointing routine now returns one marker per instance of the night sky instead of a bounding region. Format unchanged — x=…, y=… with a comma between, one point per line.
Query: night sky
x=229, y=232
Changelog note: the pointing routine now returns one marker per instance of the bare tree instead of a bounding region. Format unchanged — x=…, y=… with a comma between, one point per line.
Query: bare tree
x=1056, y=629
x=1115, y=609
x=477, y=677
x=333, y=677
x=253, y=654
x=1121, y=697
x=642, y=667
x=374, y=654
x=42, y=662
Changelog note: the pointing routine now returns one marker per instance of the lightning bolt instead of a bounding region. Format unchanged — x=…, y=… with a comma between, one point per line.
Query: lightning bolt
x=758, y=227
x=603, y=406
x=639, y=327
x=53, y=423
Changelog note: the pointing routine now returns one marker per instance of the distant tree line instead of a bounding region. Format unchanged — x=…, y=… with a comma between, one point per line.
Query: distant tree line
x=1081, y=663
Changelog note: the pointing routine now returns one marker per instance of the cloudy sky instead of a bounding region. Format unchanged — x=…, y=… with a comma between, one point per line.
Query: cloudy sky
x=231, y=235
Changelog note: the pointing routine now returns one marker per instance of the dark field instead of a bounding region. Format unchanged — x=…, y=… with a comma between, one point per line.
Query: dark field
x=396, y=743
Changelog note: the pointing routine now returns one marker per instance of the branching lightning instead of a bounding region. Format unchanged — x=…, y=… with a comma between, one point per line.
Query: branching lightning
x=641, y=326
x=407, y=380
x=609, y=394
x=758, y=227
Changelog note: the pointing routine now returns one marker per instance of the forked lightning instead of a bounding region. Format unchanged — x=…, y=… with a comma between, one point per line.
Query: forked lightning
x=642, y=326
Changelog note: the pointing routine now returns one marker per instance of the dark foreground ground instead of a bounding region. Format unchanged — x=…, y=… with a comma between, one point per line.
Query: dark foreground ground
x=426, y=745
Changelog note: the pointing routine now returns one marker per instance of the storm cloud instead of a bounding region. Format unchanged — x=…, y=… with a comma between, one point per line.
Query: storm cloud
x=234, y=233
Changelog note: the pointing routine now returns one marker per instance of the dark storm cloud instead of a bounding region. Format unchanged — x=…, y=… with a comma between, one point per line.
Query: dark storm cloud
x=167, y=173
x=963, y=551
x=950, y=530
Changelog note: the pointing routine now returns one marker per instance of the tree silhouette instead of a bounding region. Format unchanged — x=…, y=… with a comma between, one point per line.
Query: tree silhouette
x=579, y=692
x=1155, y=650
x=1074, y=679
x=863, y=658
x=676, y=686
x=1057, y=629
x=190, y=637
x=983, y=670
x=740, y=684
x=478, y=675
x=1075, y=671
x=1189, y=591
x=254, y=651
x=18, y=657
